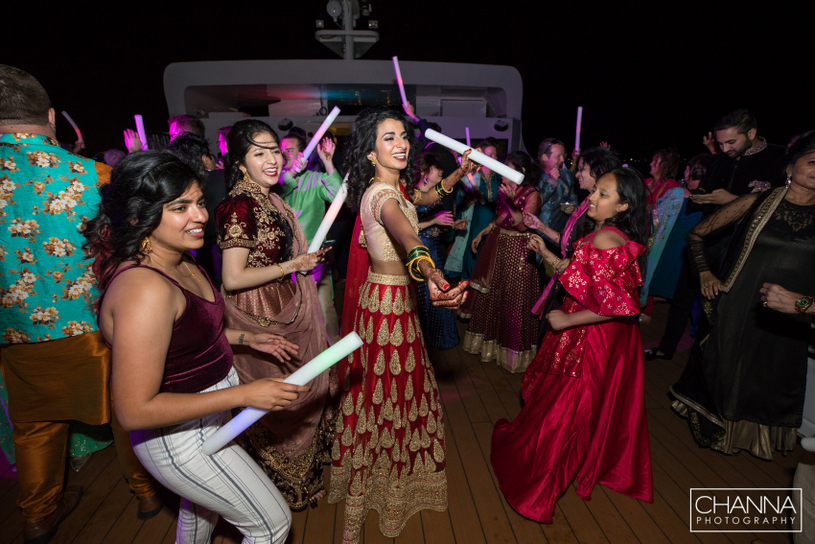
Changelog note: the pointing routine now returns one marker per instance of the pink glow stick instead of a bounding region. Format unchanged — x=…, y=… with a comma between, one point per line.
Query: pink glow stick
x=76, y=128
x=301, y=376
x=140, y=130
x=312, y=145
x=467, y=135
x=399, y=80
x=577, y=128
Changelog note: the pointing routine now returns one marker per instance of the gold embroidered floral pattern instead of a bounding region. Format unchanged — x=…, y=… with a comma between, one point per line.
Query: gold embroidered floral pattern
x=393, y=460
x=248, y=218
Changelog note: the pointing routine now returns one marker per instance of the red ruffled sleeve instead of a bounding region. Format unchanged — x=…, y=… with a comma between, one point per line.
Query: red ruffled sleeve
x=237, y=225
x=605, y=281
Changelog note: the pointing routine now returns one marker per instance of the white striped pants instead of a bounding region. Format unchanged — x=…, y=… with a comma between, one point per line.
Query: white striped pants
x=229, y=483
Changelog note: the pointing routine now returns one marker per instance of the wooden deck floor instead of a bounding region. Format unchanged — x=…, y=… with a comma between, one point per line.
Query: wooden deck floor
x=475, y=396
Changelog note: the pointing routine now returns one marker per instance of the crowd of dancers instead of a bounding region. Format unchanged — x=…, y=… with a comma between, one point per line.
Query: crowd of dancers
x=163, y=293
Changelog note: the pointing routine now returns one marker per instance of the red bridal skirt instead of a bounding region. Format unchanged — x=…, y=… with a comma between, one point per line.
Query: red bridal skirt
x=388, y=451
x=591, y=428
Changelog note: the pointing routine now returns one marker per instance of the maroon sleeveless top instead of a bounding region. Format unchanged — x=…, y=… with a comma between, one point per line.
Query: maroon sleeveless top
x=199, y=355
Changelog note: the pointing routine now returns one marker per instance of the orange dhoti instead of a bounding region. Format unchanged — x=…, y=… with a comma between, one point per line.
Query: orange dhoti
x=49, y=384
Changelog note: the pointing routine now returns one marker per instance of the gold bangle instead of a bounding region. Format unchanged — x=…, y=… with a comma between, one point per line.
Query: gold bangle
x=282, y=274
x=413, y=267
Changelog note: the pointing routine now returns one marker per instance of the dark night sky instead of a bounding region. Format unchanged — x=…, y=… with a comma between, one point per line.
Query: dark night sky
x=647, y=75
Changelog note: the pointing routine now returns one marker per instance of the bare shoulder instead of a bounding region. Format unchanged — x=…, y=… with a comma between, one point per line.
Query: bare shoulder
x=607, y=239
x=140, y=286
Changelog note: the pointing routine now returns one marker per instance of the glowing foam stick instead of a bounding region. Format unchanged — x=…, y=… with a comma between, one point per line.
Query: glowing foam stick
x=577, y=128
x=467, y=134
x=76, y=128
x=140, y=130
x=312, y=145
x=330, y=216
x=301, y=376
x=399, y=80
x=475, y=156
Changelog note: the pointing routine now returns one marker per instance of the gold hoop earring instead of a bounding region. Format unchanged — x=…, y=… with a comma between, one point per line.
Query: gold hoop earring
x=144, y=246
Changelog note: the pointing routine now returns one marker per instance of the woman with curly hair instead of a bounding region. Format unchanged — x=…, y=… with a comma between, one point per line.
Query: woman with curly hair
x=388, y=451
x=172, y=380
x=264, y=253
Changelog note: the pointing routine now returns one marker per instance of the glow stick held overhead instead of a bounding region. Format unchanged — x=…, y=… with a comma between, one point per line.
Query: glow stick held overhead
x=399, y=81
x=467, y=138
x=330, y=216
x=140, y=130
x=577, y=128
x=475, y=156
x=301, y=376
x=312, y=145
x=76, y=128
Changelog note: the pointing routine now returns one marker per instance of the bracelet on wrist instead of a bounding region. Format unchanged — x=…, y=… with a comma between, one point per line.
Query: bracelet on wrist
x=441, y=191
x=240, y=338
x=414, y=257
x=282, y=274
x=803, y=304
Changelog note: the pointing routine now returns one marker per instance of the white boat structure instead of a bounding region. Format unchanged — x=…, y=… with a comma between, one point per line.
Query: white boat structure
x=486, y=99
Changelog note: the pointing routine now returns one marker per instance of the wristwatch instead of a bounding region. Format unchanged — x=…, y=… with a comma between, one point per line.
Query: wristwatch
x=803, y=304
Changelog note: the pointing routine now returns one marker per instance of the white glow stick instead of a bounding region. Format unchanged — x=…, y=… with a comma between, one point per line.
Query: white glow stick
x=399, y=80
x=330, y=216
x=301, y=376
x=467, y=135
x=577, y=128
x=320, y=132
x=140, y=130
x=475, y=156
x=76, y=128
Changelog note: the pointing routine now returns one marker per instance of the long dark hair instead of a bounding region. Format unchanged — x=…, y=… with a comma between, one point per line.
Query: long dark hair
x=131, y=208
x=668, y=163
x=633, y=221
x=524, y=163
x=239, y=140
x=363, y=140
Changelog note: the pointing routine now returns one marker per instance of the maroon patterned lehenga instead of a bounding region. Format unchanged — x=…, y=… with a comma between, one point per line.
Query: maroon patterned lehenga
x=291, y=445
x=503, y=288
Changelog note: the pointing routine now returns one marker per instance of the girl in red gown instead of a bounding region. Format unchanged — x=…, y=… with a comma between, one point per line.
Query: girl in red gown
x=584, y=415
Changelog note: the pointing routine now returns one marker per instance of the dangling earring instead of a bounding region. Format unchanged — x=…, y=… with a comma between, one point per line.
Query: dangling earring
x=246, y=177
x=373, y=162
x=789, y=179
x=144, y=246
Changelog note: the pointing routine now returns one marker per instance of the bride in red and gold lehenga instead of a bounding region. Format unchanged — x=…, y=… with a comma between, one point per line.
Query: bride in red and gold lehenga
x=388, y=451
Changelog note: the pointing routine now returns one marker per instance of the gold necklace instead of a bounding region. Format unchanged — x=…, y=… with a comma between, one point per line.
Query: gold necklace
x=191, y=273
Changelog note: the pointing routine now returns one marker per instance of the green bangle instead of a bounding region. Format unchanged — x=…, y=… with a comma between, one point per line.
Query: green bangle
x=417, y=251
x=441, y=191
